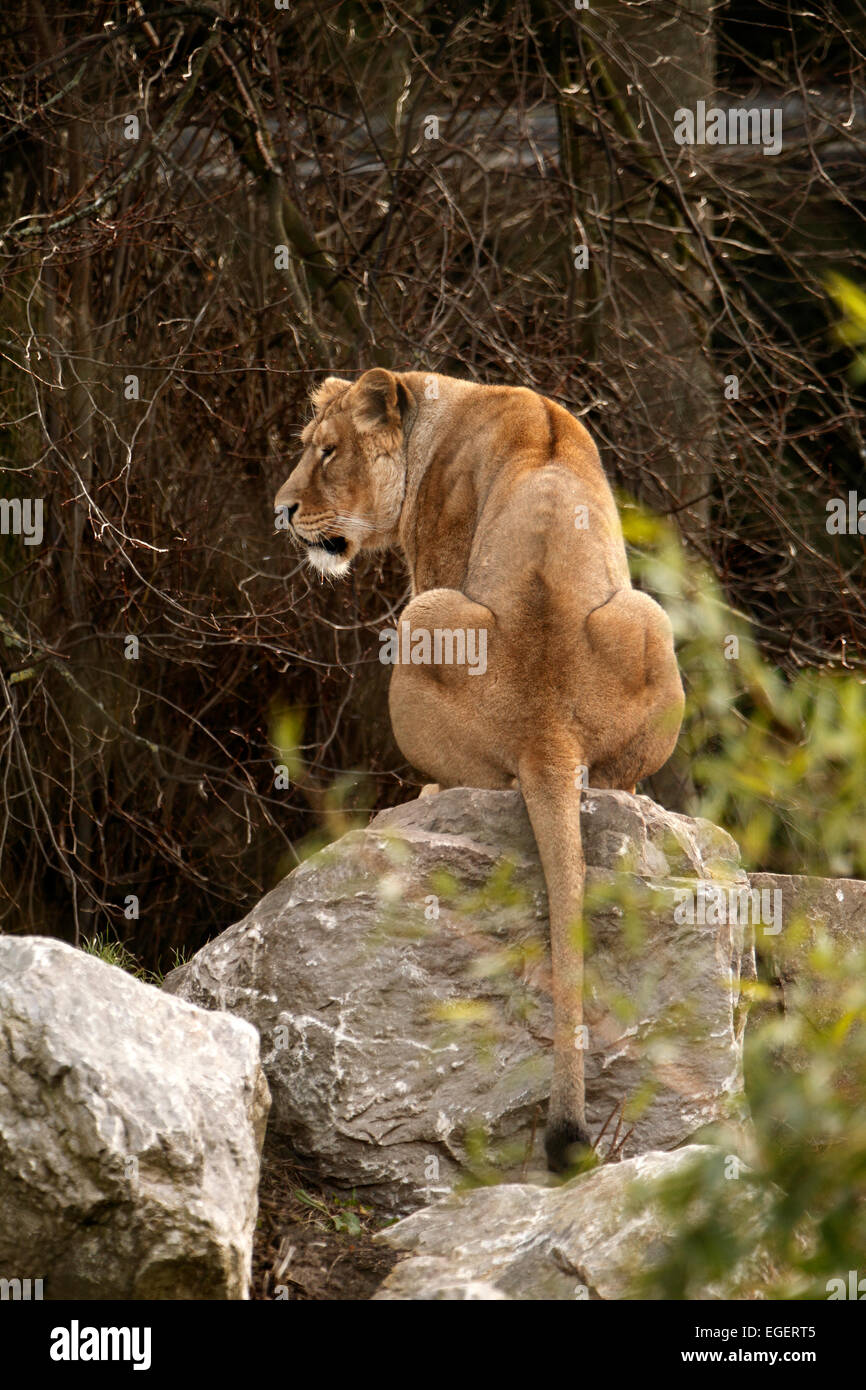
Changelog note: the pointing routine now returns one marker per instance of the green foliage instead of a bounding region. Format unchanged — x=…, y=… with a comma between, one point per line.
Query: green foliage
x=341, y=805
x=778, y=760
x=806, y=1180
x=851, y=328
x=113, y=952
x=107, y=948
x=345, y=1214
x=286, y=735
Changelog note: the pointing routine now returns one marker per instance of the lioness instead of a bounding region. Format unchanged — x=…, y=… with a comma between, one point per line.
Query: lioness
x=498, y=501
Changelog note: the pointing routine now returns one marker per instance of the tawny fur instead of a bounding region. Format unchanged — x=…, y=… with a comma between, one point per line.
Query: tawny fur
x=480, y=487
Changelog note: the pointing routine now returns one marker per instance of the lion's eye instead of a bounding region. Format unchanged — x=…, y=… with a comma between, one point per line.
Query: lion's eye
x=328, y=452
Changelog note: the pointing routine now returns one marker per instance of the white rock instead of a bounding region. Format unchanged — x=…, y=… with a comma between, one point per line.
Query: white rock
x=131, y=1125
x=586, y=1240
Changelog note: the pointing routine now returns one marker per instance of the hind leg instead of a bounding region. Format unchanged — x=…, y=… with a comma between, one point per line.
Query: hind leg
x=441, y=711
x=632, y=636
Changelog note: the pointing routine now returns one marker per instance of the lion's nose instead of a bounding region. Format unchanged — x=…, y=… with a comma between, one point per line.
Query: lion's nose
x=291, y=509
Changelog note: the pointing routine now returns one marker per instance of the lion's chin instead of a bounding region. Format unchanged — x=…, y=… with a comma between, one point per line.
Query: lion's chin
x=326, y=562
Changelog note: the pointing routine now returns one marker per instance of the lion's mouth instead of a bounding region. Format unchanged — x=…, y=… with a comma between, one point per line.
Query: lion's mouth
x=334, y=545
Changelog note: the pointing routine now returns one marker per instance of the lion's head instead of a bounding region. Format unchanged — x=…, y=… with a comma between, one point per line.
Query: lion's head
x=346, y=493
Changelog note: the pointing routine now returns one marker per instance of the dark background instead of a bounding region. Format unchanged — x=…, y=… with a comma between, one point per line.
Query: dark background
x=154, y=258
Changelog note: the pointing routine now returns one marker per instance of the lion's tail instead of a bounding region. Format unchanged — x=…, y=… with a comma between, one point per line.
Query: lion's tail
x=551, y=791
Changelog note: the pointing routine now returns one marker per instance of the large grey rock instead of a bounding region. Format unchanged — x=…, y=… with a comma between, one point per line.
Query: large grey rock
x=400, y=984
x=587, y=1239
x=808, y=910
x=808, y=906
x=131, y=1125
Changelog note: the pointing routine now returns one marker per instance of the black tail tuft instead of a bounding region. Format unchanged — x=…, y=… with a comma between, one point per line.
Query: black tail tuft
x=567, y=1145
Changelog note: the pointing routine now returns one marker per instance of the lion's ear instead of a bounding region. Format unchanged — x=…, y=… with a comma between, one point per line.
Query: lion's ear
x=330, y=387
x=379, y=400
